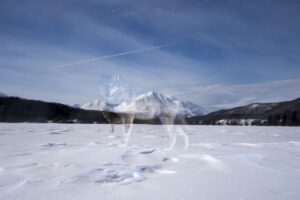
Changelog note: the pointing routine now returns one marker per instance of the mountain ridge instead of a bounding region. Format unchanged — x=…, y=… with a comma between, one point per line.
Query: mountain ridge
x=149, y=105
x=97, y=104
x=279, y=113
x=15, y=109
x=2, y=94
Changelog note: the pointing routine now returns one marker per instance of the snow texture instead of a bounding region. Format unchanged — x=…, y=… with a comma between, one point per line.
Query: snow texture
x=72, y=161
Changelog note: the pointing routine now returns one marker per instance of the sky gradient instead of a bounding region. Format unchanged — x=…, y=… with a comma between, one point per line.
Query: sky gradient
x=218, y=54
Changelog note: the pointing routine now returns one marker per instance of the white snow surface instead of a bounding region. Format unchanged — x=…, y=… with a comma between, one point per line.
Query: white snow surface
x=73, y=161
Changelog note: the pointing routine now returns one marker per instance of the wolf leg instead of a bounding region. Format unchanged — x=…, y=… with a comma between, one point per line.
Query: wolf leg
x=127, y=120
x=172, y=140
x=185, y=138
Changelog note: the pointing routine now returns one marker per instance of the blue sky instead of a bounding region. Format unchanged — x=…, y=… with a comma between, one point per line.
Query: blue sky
x=215, y=53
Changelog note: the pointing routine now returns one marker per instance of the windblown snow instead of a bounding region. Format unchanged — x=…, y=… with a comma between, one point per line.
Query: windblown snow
x=72, y=161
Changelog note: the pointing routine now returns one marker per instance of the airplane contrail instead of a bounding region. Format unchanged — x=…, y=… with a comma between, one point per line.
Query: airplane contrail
x=112, y=55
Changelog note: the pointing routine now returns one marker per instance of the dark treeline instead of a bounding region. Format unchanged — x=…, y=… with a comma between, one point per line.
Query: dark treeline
x=15, y=109
x=288, y=118
x=269, y=114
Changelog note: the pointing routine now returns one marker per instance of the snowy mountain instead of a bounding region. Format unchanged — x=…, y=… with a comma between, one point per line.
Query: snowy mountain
x=152, y=104
x=149, y=105
x=191, y=109
x=97, y=104
x=2, y=94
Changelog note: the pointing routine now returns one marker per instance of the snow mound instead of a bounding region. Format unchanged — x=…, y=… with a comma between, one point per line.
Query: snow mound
x=112, y=174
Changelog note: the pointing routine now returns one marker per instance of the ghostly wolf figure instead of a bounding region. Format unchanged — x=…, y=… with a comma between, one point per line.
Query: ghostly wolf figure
x=170, y=119
x=167, y=120
x=114, y=91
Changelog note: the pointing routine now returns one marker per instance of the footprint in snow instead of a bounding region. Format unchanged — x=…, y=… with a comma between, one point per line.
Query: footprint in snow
x=116, y=173
x=51, y=145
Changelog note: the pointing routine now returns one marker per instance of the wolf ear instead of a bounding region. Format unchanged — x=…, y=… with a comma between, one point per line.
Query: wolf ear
x=116, y=77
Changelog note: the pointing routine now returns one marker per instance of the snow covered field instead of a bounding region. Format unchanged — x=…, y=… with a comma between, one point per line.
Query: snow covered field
x=70, y=161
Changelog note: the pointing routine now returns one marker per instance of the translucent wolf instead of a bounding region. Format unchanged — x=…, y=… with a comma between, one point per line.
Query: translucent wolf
x=167, y=120
x=114, y=91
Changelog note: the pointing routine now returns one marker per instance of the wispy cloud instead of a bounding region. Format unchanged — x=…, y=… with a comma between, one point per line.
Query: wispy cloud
x=56, y=48
x=219, y=96
x=113, y=55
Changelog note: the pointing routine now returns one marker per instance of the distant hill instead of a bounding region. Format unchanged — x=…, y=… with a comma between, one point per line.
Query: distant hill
x=15, y=109
x=76, y=105
x=2, y=94
x=281, y=113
